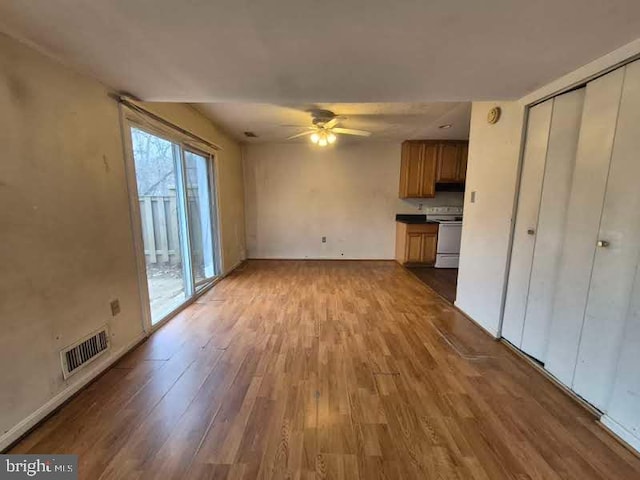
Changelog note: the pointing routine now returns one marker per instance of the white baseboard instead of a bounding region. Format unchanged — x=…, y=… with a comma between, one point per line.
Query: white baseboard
x=622, y=433
x=22, y=427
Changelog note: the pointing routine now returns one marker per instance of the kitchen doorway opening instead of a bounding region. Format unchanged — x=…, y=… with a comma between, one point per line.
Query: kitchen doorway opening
x=442, y=275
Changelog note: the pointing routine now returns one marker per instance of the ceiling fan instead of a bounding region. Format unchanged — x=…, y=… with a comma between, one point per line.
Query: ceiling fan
x=324, y=129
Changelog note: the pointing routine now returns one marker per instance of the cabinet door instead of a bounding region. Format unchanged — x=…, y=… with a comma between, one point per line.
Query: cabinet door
x=429, y=166
x=462, y=162
x=429, y=244
x=448, y=163
x=414, y=248
x=411, y=170
x=614, y=268
x=535, y=154
x=597, y=132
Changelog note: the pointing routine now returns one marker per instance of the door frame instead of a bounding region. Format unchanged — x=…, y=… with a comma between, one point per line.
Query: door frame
x=129, y=119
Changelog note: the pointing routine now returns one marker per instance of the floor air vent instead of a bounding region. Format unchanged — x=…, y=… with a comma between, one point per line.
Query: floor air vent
x=84, y=352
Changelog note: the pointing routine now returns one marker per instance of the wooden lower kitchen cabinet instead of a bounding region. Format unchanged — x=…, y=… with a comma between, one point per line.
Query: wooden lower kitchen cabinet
x=416, y=243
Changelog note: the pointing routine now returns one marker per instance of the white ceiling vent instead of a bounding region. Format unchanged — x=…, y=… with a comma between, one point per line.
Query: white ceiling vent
x=83, y=352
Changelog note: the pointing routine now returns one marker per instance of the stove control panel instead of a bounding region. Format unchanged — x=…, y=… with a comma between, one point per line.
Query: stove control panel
x=443, y=210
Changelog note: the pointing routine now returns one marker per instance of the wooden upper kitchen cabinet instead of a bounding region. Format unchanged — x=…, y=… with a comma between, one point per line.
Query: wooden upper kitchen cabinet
x=416, y=243
x=424, y=163
x=462, y=163
x=411, y=170
x=430, y=165
x=452, y=162
x=448, y=163
x=418, y=170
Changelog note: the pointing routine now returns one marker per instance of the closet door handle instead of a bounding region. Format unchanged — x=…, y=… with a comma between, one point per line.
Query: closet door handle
x=603, y=243
x=531, y=231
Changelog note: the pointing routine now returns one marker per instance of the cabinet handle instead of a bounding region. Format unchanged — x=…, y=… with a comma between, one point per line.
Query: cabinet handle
x=603, y=243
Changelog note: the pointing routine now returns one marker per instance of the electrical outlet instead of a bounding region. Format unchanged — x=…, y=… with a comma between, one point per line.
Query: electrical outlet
x=115, y=307
x=324, y=239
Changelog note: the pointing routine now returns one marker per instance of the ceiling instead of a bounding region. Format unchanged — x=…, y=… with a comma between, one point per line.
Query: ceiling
x=300, y=51
x=386, y=121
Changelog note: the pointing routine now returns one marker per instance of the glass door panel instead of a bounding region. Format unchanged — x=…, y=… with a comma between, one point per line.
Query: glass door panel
x=159, y=182
x=201, y=220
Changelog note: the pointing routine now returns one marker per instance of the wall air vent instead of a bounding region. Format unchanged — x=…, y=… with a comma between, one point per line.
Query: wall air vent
x=85, y=351
x=250, y=135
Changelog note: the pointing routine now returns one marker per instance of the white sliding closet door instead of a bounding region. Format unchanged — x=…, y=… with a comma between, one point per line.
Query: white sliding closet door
x=623, y=411
x=556, y=187
x=526, y=220
x=616, y=258
x=595, y=144
x=573, y=297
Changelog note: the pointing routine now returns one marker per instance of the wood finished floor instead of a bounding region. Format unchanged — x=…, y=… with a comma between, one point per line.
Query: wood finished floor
x=443, y=280
x=306, y=369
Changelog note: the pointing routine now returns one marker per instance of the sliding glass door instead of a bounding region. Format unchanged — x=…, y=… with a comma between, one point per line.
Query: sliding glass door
x=175, y=190
x=199, y=178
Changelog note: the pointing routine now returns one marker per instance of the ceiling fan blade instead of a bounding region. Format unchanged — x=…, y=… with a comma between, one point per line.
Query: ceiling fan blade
x=300, y=134
x=331, y=123
x=351, y=131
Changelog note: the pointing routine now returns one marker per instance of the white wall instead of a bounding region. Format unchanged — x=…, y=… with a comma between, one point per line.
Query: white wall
x=494, y=152
x=66, y=239
x=297, y=193
x=67, y=247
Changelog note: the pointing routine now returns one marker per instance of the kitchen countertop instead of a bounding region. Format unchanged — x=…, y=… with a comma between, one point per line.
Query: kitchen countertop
x=413, y=219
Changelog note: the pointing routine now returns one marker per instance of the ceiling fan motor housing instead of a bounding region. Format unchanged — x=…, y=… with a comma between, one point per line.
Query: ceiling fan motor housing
x=325, y=127
x=321, y=117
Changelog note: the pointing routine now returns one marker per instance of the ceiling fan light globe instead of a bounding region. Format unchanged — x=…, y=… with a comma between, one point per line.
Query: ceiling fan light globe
x=322, y=142
x=331, y=138
x=315, y=137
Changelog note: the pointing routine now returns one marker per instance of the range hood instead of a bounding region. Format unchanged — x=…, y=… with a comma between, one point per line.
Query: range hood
x=449, y=187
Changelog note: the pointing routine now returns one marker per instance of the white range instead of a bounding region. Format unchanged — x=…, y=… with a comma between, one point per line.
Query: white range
x=449, y=235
